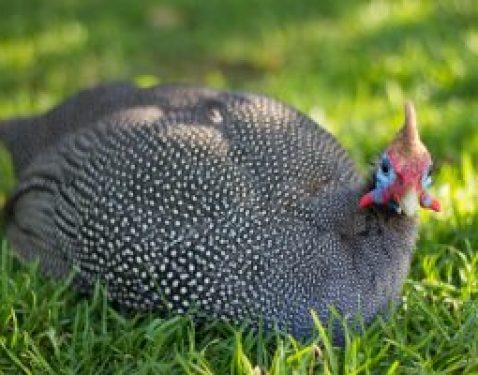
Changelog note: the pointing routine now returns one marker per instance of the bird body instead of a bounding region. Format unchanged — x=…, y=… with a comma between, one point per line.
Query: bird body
x=225, y=204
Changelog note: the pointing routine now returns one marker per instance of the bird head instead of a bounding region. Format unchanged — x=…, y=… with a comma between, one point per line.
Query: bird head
x=402, y=174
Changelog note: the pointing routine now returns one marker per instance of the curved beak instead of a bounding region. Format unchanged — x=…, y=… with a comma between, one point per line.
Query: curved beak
x=409, y=203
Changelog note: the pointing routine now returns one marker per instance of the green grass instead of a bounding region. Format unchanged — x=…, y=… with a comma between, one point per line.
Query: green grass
x=349, y=65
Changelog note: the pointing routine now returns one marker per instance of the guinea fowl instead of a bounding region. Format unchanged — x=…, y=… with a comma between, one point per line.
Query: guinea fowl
x=224, y=204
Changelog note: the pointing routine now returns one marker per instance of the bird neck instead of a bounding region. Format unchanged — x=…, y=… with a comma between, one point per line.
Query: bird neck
x=337, y=210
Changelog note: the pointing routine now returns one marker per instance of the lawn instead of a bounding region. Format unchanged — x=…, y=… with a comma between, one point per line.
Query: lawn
x=349, y=65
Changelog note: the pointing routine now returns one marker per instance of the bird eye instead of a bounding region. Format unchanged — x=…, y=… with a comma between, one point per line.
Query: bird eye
x=385, y=167
x=431, y=169
x=384, y=173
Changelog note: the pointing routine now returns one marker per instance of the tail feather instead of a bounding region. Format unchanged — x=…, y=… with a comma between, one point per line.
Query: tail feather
x=27, y=137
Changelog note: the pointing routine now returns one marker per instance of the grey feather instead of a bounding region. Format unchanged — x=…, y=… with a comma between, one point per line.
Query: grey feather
x=185, y=199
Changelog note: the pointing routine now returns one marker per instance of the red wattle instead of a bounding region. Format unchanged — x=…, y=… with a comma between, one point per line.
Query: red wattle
x=435, y=206
x=366, y=200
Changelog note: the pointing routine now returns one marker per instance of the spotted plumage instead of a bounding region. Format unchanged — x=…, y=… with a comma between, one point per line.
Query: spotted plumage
x=224, y=204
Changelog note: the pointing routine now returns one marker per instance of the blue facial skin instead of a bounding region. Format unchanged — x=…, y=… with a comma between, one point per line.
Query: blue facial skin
x=426, y=182
x=384, y=177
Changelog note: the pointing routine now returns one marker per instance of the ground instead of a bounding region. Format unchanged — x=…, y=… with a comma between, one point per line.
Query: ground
x=349, y=65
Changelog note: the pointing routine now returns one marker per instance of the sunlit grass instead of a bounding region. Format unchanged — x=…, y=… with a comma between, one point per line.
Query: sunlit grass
x=349, y=65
